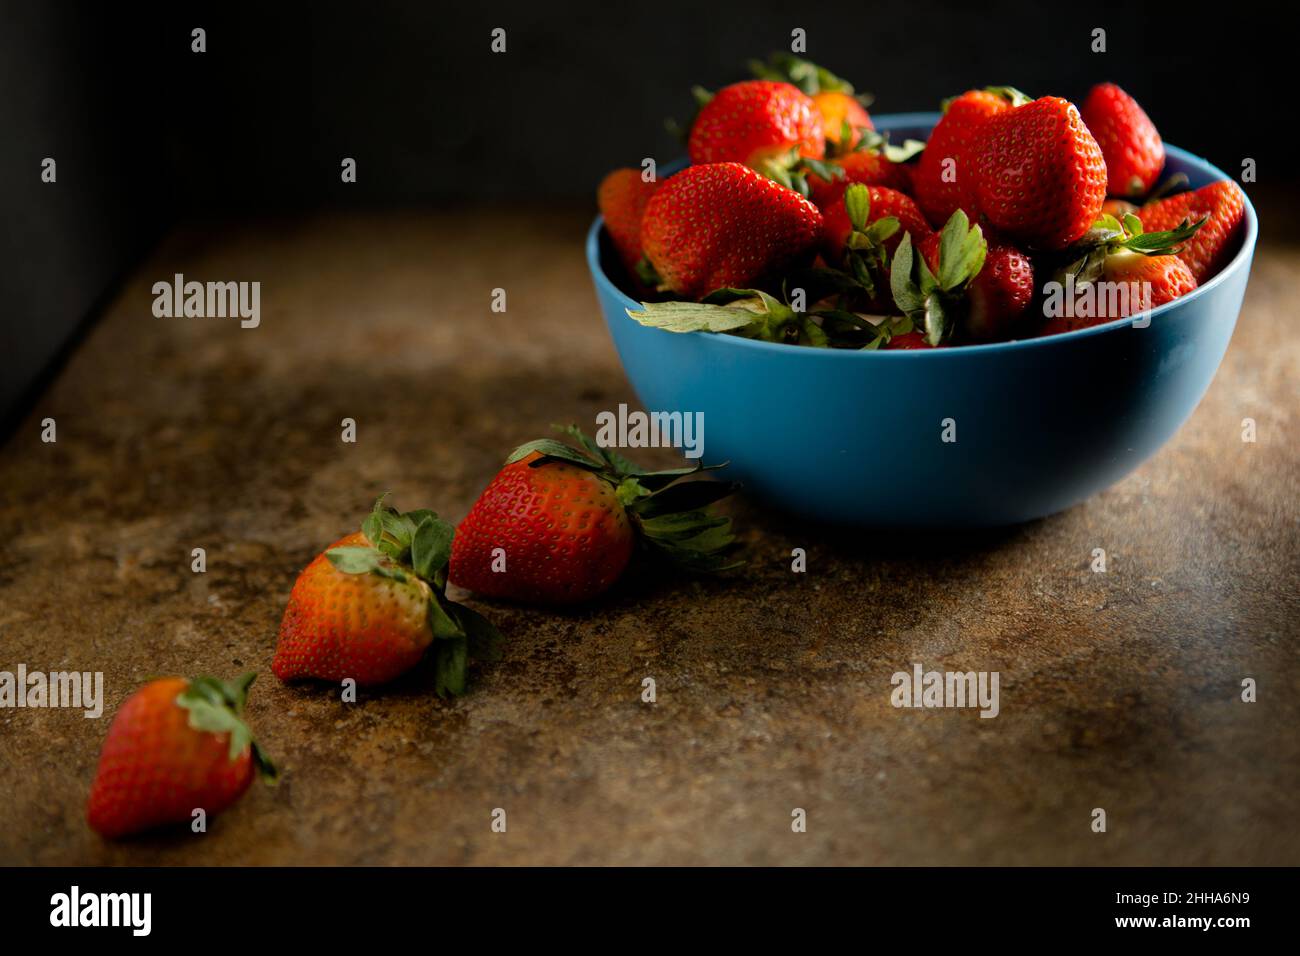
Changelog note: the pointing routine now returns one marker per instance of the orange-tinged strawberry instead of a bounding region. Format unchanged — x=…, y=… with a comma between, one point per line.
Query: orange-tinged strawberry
x=175, y=746
x=763, y=124
x=1128, y=139
x=362, y=626
x=1209, y=250
x=374, y=602
x=1040, y=178
x=558, y=525
x=841, y=112
x=1121, y=270
x=944, y=179
x=723, y=224
x=1135, y=283
x=622, y=197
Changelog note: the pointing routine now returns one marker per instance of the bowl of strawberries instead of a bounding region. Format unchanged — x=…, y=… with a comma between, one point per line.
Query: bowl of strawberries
x=965, y=319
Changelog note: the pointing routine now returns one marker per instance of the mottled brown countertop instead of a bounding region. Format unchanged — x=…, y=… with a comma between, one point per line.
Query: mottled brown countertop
x=1118, y=690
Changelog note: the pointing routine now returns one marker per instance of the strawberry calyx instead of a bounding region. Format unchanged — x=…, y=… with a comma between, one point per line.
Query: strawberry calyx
x=1085, y=261
x=416, y=545
x=804, y=74
x=672, y=516
x=756, y=314
x=935, y=303
x=864, y=248
x=874, y=141
x=216, y=706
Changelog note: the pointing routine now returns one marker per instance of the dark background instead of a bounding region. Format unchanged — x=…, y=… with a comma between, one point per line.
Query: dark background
x=146, y=132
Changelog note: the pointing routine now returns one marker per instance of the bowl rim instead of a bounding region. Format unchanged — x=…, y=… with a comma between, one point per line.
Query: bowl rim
x=885, y=121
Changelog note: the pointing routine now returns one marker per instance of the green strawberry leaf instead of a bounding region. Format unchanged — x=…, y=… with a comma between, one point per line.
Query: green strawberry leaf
x=552, y=449
x=1010, y=94
x=684, y=496
x=694, y=317
x=822, y=169
x=449, y=661
x=431, y=546
x=373, y=526
x=907, y=296
x=613, y=459
x=936, y=320
x=442, y=620
x=484, y=639
x=355, y=559
x=217, y=707
x=962, y=251
x=857, y=203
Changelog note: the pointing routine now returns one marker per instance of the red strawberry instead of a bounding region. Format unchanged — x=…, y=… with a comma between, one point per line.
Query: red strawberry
x=882, y=203
x=622, y=197
x=944, y=179
x=997, y=297
x=843, y=117
x=723, y=224
x=841, y=112
x=1128, y=139
x=941, y=284
x=1039, y=175
x=1214, y=243
x=176, y=746
x=370, y=606
x=763, y=124
x=1123, y=271
x=868, y=167
x=558, y=525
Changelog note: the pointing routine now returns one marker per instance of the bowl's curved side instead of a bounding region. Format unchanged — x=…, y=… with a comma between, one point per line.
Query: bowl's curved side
x=961, y=437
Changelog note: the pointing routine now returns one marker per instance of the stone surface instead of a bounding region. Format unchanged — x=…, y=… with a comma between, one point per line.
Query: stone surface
x=1119, y=690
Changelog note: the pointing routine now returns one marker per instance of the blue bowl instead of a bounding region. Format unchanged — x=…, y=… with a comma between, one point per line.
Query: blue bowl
x=858, y=437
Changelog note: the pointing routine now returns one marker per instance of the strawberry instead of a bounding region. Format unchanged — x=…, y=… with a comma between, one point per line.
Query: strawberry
x=1128, y=139
x=1122, y=271
x=863, y=230
x=843, y=118
x=558, y=525
x=865, y=166
x=880, y=203
x=843, y=115
x=622, y=197
x=371, y=605
x=176, y=746
x=944, y=179
x=997, y=298
x=723, y=224
x=1040, y=178
x=1208, y=251
x=763, y=124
